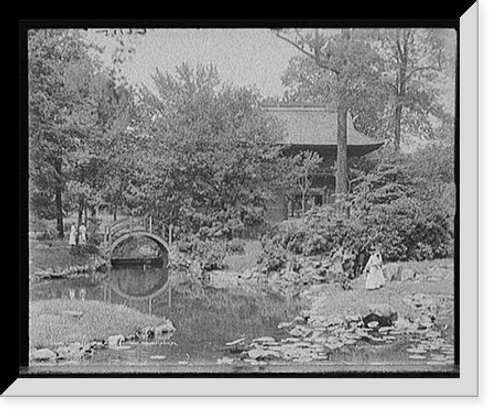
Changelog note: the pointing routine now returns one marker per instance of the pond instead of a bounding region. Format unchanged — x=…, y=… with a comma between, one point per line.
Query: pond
x=207, y=319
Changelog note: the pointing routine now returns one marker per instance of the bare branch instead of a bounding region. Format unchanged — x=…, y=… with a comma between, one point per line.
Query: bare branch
x=424, y=68
x=316, y=56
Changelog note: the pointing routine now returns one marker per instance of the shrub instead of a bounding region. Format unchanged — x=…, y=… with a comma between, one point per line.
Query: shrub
x=274, y=257
x=235, y=247
x=209, y=253
x=406, y=229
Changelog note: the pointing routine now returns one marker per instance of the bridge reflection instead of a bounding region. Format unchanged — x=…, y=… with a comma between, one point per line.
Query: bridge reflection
x=137, y=285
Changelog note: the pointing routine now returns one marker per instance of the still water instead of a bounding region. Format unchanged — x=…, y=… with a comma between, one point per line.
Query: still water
x=207, y=319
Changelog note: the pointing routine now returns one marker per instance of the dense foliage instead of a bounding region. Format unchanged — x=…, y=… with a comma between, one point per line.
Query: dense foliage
x=391, y=207
x=209, y=159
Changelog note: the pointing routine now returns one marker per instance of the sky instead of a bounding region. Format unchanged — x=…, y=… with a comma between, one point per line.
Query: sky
x=243, y=57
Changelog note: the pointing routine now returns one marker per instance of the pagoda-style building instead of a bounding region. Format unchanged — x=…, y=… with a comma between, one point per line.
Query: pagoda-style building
x=313, y=126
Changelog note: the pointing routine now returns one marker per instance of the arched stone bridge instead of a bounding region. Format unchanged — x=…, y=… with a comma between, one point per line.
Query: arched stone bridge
x=126, y=229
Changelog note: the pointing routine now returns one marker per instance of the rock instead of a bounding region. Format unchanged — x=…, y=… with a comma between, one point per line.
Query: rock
x=257, y=353
x=407, y=274
x=225, y=361
x=384, y=314
x=420, y=357
x=167, y=327
x=264, y=339
x=75, y=314
x=116, y=340
x=417, y=350
x=273, y=276
x=285, y=324
x=247, y=274
x=291, y=276
x=392, y=272
x=236, y=342
x=306, y=314
x=157, y=357
x=43, y=355
x=372, y=324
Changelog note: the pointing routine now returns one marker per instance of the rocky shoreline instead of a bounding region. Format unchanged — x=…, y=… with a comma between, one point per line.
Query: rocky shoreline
x=98, y=264
x=77, y=351
x=313, y=336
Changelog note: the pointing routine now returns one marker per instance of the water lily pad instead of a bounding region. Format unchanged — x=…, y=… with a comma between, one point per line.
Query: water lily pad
x=120, y=348
x=436, y=363
x=290, y=340
x=418, y=350
x=225, y=361
x=420, y=357
x=438, y=357
x=265, y=339
x=235, y=342
x=260, y=353
x=385, y=329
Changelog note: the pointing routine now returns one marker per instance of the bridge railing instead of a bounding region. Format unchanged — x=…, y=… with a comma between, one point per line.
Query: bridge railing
x=127, y=225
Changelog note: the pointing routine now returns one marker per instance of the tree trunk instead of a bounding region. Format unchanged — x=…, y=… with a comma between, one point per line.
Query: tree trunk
x=59, y=206
x=402, y=54
x=341, y=178
x=81, y=205
x=397, y=126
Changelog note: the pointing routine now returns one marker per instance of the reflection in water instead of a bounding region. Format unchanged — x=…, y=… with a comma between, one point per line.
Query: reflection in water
x=137, y=283
x=205, y=318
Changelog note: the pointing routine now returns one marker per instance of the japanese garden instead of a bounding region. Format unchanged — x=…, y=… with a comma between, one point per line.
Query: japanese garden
x=197, y=224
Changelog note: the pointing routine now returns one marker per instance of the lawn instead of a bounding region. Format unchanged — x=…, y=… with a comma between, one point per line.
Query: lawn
x=333, y=301
x=55, y=255
x=53, y=322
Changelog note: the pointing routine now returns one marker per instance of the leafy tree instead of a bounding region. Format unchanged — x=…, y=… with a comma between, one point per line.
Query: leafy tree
x=75, y=113
x=413, y=94
x=210, y=158
x=351, y=78
x=49, y=54
x=303, y=167
x=419, y=72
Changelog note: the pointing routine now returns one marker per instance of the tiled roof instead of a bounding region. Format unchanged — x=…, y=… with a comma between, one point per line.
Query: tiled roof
x=314, y=124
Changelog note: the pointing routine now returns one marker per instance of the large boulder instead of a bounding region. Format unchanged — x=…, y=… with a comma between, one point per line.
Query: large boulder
x=167, y=327
x=43, y=355
x=384, y=314
x=116, y=340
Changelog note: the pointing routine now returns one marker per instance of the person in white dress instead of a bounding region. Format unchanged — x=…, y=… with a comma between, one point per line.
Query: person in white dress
x=337, y=258
x=72, y=235
x=373, y=271
x=82, y=239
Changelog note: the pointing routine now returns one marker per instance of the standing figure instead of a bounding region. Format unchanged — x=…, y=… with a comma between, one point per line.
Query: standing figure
x=82, y=239
x=82, y=294
x=337, y=259
x=373, y=271
x=72, y=235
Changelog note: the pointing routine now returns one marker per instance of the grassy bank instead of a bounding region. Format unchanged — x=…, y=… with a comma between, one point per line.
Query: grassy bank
x=53, y=322
x=56, y=255
x=332, y=301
